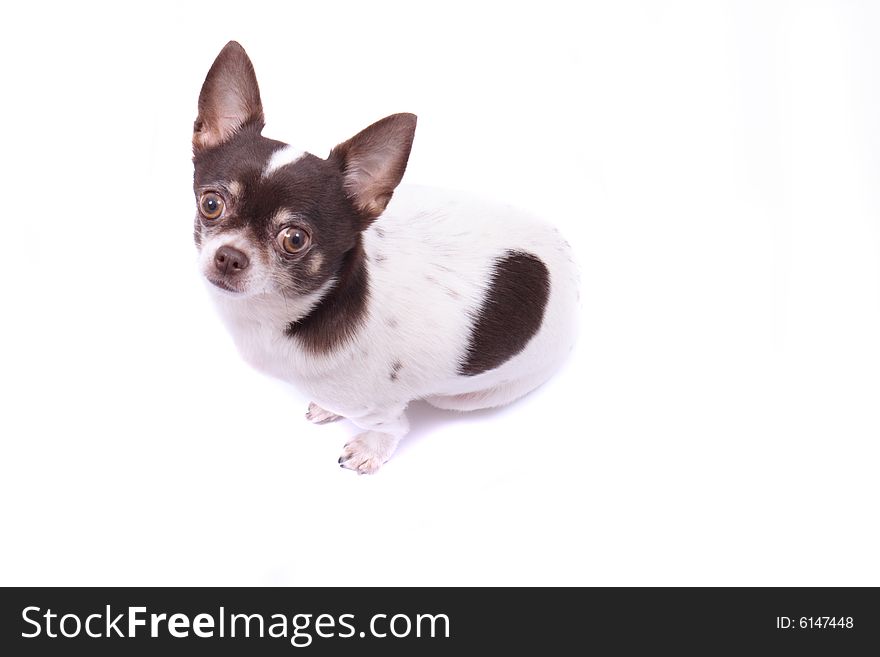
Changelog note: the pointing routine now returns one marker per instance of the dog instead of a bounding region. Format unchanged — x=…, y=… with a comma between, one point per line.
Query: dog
x=365, y=294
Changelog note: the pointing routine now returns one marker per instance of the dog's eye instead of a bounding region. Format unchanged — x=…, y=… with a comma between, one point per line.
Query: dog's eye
x=293, y=240
x=211, y=205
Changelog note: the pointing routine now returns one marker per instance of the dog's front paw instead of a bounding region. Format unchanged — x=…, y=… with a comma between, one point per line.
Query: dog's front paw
x=368, y=451
x=318, y=415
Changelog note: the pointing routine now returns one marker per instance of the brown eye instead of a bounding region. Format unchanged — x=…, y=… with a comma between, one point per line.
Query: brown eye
x=293, y=240
x=211, y=205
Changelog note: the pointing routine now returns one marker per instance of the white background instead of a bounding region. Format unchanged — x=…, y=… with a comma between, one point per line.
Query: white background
x=714, y=166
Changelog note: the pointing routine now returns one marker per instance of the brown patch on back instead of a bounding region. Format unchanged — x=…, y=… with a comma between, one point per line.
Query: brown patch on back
x=511, y=313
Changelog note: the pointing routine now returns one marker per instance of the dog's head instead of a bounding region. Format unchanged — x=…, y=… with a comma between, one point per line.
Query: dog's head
x=271, y=219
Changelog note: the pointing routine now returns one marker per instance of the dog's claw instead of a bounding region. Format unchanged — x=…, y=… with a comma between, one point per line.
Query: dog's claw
x=366, y=453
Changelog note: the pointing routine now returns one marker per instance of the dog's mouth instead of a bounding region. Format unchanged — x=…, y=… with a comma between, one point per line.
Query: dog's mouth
x=223, y=285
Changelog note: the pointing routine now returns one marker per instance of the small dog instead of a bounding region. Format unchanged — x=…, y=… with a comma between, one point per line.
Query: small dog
x=364, y=302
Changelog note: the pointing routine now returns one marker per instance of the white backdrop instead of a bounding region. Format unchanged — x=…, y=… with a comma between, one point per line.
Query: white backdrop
x=714, y=166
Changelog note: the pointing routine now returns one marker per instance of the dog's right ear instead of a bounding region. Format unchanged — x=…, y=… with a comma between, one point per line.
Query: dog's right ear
x=230, y=98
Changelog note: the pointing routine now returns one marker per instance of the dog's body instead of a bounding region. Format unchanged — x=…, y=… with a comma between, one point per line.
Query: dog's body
x=427, y=295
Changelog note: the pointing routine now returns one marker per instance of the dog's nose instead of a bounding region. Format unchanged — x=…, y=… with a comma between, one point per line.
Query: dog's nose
x=230, y=260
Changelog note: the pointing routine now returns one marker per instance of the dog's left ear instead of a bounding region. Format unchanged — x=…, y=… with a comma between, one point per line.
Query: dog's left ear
x=230, y=98
x=373, y=162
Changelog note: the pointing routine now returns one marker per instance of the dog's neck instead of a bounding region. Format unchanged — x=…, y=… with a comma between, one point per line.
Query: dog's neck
x=337, y=316
x=271, y=310
x=320, y=321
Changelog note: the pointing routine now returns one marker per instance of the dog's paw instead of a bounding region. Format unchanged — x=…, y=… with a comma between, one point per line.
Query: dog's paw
x=367, y=452
x=318, y=415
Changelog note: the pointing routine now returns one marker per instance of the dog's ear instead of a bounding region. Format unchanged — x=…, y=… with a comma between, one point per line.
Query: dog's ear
x=230, y=98
x=373, y=162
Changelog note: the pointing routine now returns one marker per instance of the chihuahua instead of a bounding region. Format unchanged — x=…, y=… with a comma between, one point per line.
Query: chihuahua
x=364, y=294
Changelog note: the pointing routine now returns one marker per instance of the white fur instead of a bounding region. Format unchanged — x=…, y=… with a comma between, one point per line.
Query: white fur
x=430, y=261
x=282, y=157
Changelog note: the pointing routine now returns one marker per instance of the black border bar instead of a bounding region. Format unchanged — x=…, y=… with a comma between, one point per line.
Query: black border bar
x=837, y=621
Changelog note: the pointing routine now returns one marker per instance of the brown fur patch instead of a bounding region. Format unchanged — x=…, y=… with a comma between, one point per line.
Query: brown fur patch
x=339, y=315
x=511, y=313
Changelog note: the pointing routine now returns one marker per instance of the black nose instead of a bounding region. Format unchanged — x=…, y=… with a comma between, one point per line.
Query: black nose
x=230, y=260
